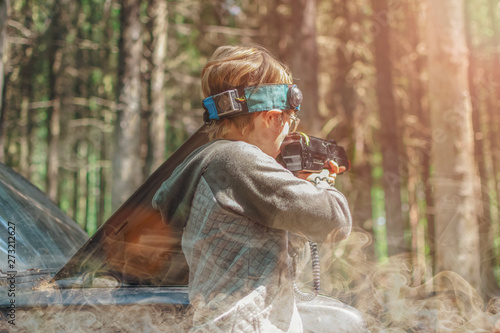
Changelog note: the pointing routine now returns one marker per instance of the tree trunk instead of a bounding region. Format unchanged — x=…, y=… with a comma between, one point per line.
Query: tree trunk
x=62, y=60
x=352, y=129
x=421, y=110
x=106, y=147
x=103, y=183
x=304, y=63
x=55, y=53
x=388, y=130
x=90, y=229
x=274, y=32
x=454, y=178
x=26, y=118
x=76, y=184
x=3, y=39
x=486, y=239
x=127, y=165
x=83, y=193
x=486, y=230
x=418, y=153
x=494, y=99
x=158, y=138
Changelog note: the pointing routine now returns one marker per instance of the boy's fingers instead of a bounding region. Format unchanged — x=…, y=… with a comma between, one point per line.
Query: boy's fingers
x=334, y=167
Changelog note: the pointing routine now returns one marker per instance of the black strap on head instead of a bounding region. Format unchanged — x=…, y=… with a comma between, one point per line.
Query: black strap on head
x=241, y=94
x=206, y=116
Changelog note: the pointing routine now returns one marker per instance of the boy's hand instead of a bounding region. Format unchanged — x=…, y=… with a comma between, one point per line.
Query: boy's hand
x=329, y=173
x=334, y=167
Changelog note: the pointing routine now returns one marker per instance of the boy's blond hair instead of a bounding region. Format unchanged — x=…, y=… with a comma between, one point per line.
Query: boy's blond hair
x=240, y=66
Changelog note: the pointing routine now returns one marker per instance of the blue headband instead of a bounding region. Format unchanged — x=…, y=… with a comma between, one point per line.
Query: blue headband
x=252, y=99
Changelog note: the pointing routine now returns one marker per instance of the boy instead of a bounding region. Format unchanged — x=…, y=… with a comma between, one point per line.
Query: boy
x=236, y=204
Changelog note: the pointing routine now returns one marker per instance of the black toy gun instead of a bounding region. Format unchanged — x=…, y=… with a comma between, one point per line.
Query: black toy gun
x=301, y=152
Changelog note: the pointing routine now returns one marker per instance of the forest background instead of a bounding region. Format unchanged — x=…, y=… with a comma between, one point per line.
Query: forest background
x=96, y=94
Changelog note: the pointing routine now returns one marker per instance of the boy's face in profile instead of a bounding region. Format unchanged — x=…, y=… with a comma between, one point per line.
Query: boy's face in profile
x=270, y=129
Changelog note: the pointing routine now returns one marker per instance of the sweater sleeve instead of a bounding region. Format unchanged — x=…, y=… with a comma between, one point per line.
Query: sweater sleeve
x=251, y=183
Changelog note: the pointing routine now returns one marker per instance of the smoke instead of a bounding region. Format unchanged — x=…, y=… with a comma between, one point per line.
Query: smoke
x=398, y=295
x=103, y=318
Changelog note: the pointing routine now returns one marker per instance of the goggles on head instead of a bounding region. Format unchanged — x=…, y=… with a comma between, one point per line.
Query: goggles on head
x=252, y=99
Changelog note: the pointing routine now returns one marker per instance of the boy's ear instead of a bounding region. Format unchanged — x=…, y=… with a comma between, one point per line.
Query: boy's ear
x=272, y=117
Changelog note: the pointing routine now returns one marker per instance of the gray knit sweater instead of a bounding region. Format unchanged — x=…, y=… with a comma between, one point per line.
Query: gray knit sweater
x=236, y=205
